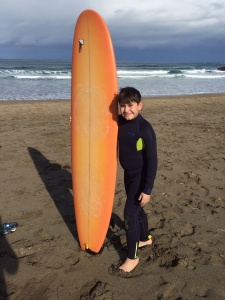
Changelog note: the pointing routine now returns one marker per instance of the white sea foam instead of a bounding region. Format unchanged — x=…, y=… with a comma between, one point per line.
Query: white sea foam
x=52, y=80
x=42, y=77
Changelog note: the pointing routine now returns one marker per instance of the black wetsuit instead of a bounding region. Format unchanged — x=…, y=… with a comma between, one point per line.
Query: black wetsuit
x=138, y=158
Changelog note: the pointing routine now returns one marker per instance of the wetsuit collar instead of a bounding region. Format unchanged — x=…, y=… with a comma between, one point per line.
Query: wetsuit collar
x=133, y=120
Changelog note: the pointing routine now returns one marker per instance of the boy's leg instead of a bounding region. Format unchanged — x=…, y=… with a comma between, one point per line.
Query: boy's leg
x=132, y=230
x=131, y=212
x=143, y=225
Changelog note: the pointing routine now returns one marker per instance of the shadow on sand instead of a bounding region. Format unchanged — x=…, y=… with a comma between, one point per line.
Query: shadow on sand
x=58, y=182
x=9, y=263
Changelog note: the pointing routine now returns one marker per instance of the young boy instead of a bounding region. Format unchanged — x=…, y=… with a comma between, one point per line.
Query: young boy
x=138, y=158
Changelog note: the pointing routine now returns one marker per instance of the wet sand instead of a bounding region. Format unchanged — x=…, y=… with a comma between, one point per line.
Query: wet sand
x=42, y=258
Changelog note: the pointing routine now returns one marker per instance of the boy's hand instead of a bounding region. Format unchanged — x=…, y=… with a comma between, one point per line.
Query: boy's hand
x=70, y=120
x=144, y=198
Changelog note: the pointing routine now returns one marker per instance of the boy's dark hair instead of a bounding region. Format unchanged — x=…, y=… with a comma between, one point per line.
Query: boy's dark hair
x=129, y=94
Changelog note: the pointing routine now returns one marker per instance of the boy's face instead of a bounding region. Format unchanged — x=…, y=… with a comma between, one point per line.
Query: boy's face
x=130, y=110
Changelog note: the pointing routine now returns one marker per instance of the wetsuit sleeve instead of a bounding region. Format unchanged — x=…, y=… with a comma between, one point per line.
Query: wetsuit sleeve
x=150, y=158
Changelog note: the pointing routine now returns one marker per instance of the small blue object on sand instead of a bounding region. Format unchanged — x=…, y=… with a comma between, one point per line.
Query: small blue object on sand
x=8, y=228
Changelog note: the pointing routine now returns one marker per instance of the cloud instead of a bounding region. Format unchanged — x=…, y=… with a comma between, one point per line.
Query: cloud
x=162, y=24
x=141, y=24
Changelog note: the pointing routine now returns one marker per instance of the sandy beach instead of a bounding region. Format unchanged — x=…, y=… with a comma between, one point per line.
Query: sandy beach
x=42, y=258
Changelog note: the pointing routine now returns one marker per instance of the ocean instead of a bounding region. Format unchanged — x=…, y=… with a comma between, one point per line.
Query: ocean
x=48, y=80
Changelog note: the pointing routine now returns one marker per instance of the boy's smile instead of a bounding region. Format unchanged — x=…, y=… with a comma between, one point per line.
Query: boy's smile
x=130, y=110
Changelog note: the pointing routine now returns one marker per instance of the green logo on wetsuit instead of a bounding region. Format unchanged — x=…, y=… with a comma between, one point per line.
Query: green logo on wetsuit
x=140, y=144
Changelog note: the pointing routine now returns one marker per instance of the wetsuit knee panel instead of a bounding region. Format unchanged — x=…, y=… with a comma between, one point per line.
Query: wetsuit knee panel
x=130, y=222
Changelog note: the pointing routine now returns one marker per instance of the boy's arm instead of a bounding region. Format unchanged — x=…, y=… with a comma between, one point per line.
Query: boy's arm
x=151, y=159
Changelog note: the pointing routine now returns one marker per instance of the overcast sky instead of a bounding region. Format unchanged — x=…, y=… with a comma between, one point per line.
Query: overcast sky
x=142, y=30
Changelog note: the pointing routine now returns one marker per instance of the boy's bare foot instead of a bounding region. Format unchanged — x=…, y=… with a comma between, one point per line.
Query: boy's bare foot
x=146, y=243
x=129, y=265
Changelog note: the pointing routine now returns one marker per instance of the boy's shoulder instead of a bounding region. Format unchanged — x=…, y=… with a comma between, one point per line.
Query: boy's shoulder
x=145, y=127
x=143, y=121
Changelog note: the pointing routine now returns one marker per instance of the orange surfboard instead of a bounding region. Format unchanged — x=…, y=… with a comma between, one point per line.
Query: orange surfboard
x=94, y=112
